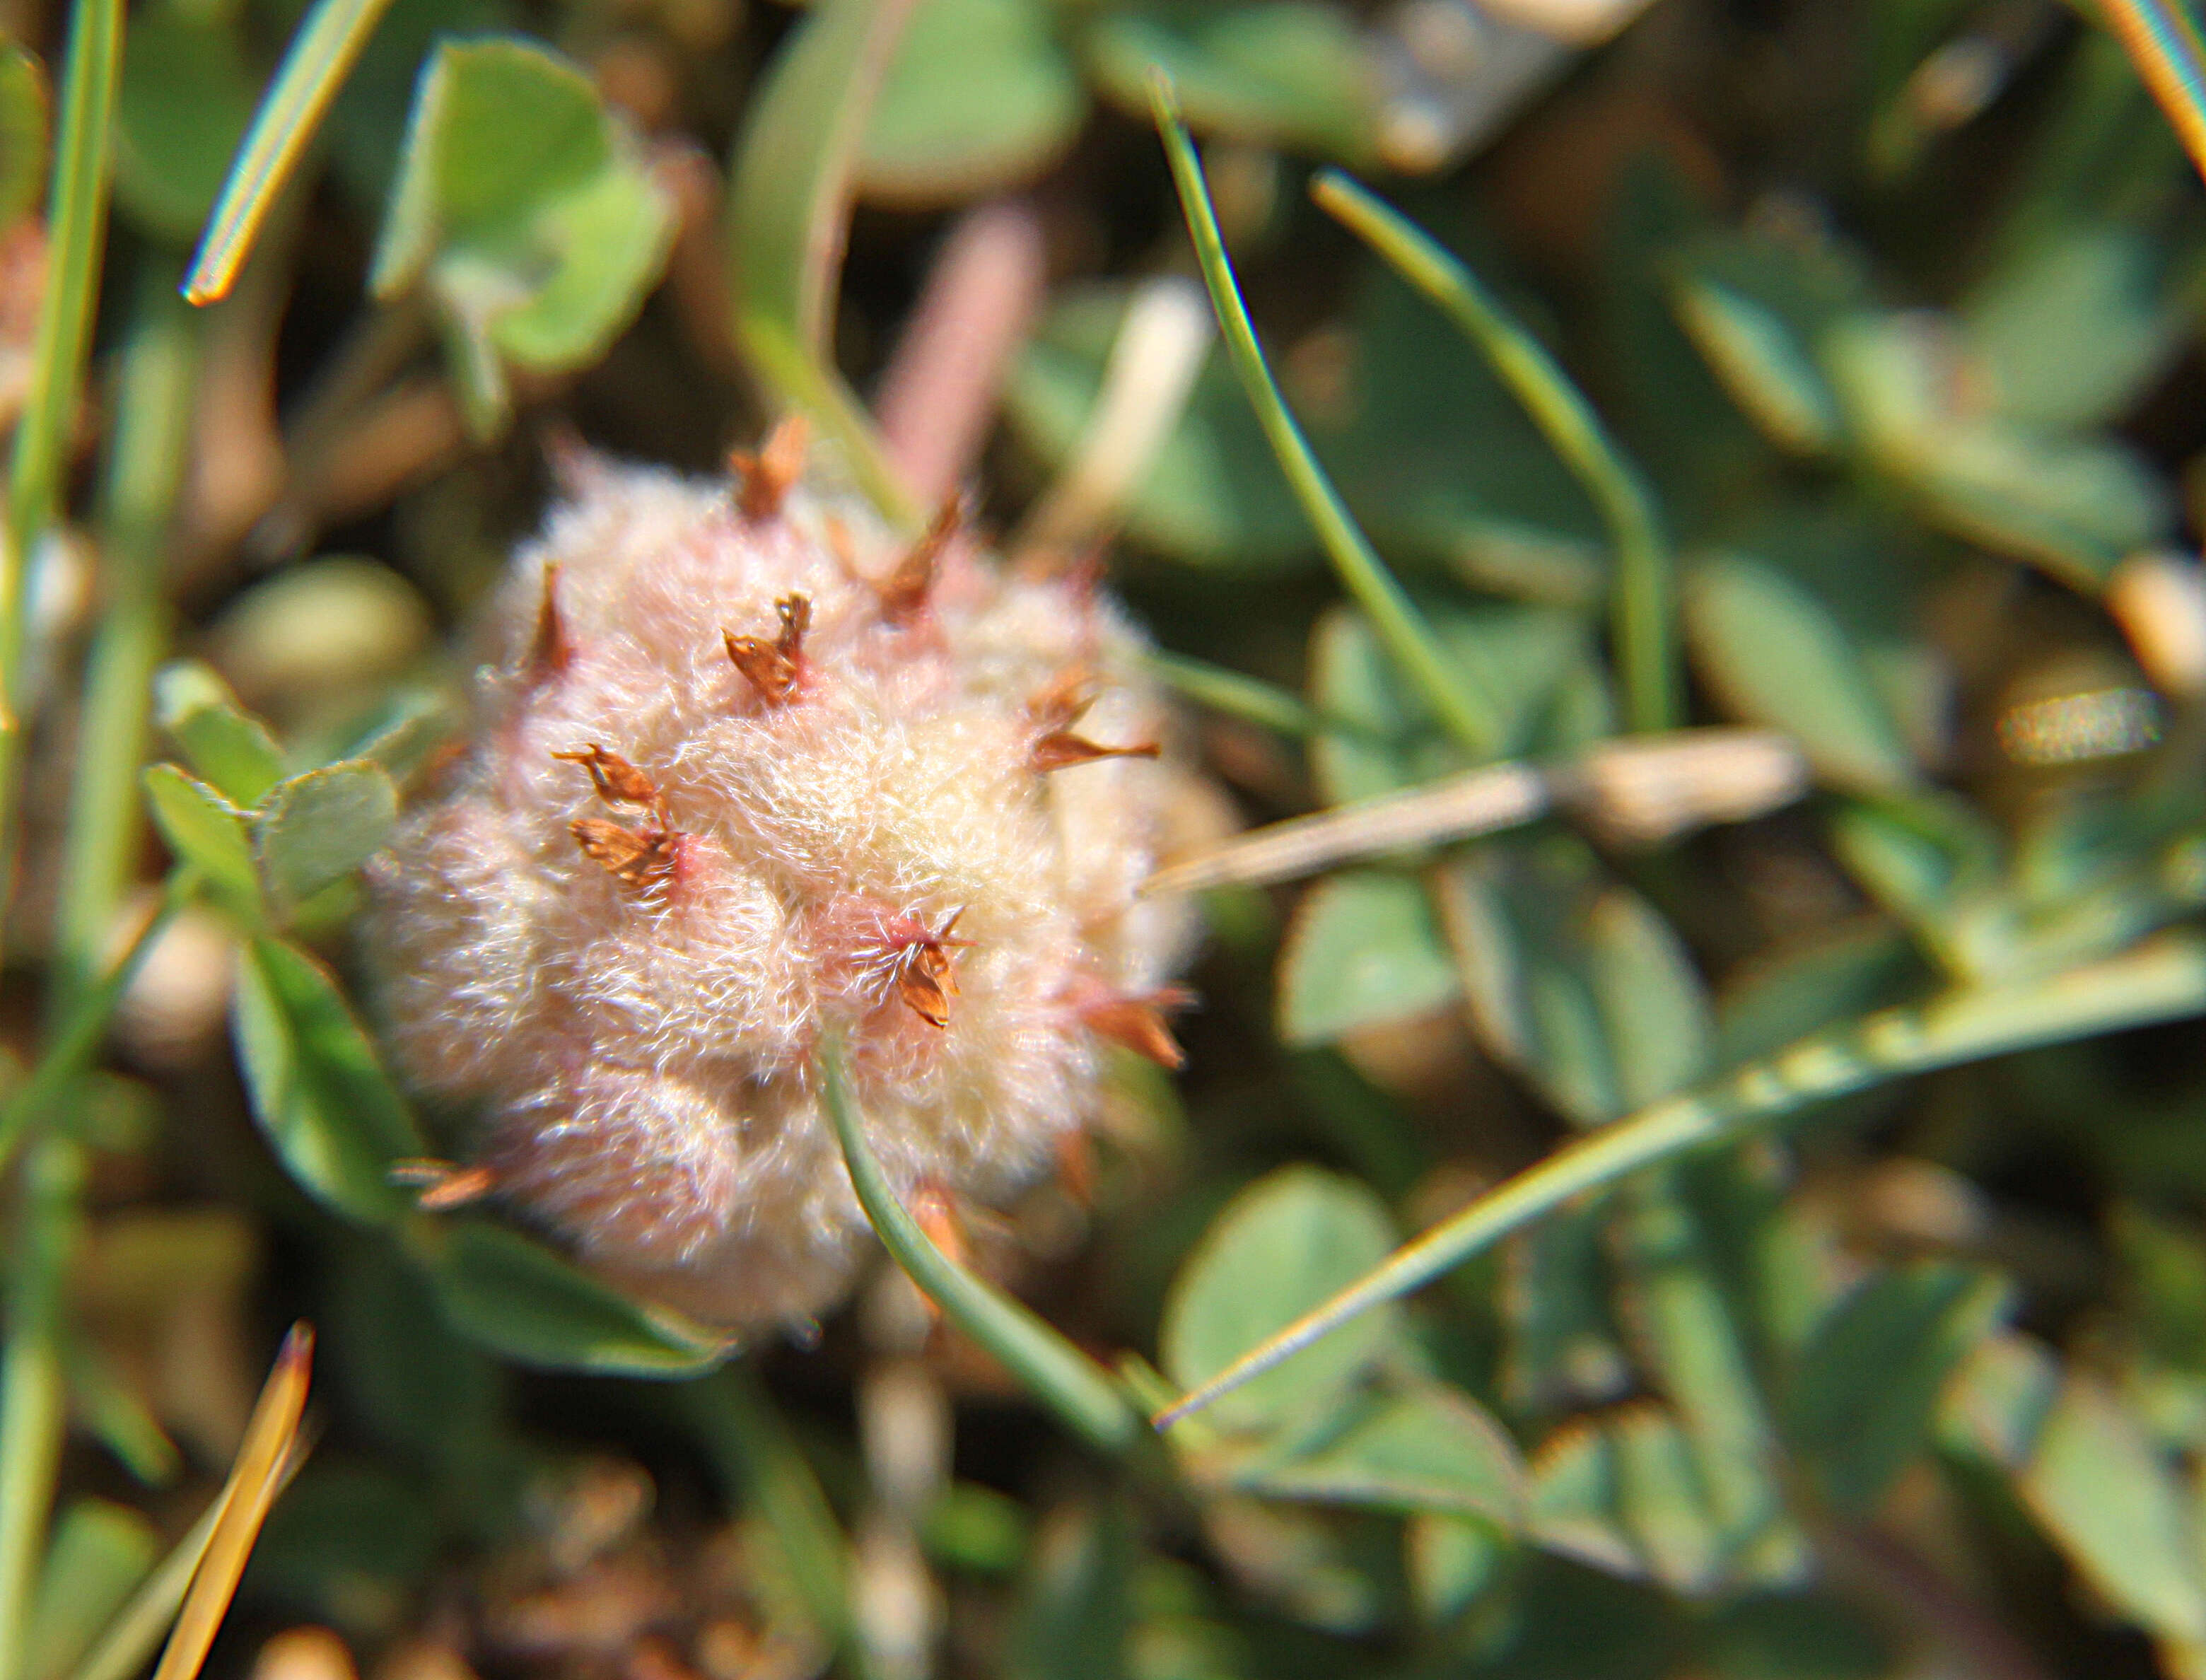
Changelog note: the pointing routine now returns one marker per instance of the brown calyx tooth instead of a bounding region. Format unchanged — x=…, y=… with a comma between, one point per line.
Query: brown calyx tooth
x=636, y=858
x=443, y=1185
x=774, y=668
x=1055, y=710
x=550, y=650
x=905, y=590
x=926, y=979
x=618, y=782
x=1137, y=1023
x=766, y=477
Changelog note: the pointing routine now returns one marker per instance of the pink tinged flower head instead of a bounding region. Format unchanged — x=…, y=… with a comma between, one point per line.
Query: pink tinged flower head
x=745, y=772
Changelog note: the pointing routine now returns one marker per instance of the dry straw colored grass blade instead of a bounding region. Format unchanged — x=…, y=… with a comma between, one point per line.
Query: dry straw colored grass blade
x=242, y=1507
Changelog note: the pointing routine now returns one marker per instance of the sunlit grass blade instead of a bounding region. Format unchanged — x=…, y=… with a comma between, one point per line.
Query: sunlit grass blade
x=1401, y=628
x=1644, y=611
x=322, y=54
x=1080, y=1391
x=246, y=1496
x=77, y=210
x=789, y=209
x=2164, y=45
x=2162, y=981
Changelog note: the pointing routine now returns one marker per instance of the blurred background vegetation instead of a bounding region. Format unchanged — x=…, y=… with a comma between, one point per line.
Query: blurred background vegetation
x=1826, y=366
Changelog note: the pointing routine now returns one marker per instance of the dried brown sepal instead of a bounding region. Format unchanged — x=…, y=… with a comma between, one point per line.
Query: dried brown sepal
x=443, y=1185
x=1059, y=706
x=635, y=859
x=773, y=668
x=549, y=652
x=922, y=971
x=927, y=982
x=1138, y=1024
x=1060, y=749
x=618, y=782
x=905, y=590
x=768, y=475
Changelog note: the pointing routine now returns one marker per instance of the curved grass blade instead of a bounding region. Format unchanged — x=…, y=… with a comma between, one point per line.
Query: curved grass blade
x=1080, y=1391
x=789, y=210
x=321, y=56
x=2163, y=44
x=1399, y=625
x=254, y=1481
x=1645, y=617
x=2162, y=981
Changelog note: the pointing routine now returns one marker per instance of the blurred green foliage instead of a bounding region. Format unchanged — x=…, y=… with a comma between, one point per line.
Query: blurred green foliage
x=1903, y=347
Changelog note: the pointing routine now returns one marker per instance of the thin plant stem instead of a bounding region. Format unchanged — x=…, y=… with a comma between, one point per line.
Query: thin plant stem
x=145, y=466
x=34, y=1398
x=151, y=440
x=2162, y=981
x=745, y=1434
x=321, y=56
x=1400, y=627
x=76, y=1038
x=1247, y=698
x=77, y=226
x=1646, y=640
x=1084, y=1395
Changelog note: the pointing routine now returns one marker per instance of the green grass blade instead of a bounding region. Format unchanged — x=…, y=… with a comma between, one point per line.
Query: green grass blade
x=32, y=1388
x=1645, y=617
x=322, y=54
x=1393, y=615
x=76, y=1036
x=129, y=1642
x=77, y=229
x=1250, y=699
x=2163, y=44
x=789, y=207
x=736, y=1420
x=156, y=399
x=2163, y=981
x=1081, y=1392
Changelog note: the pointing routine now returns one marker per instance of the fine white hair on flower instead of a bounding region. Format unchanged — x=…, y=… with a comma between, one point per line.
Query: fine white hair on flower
x=744, y=770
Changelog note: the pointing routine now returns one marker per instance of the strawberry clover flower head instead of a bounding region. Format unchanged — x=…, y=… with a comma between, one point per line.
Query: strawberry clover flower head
x=745, y=772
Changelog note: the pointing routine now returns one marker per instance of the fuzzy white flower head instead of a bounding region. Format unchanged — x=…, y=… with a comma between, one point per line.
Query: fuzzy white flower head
x=745, y=772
